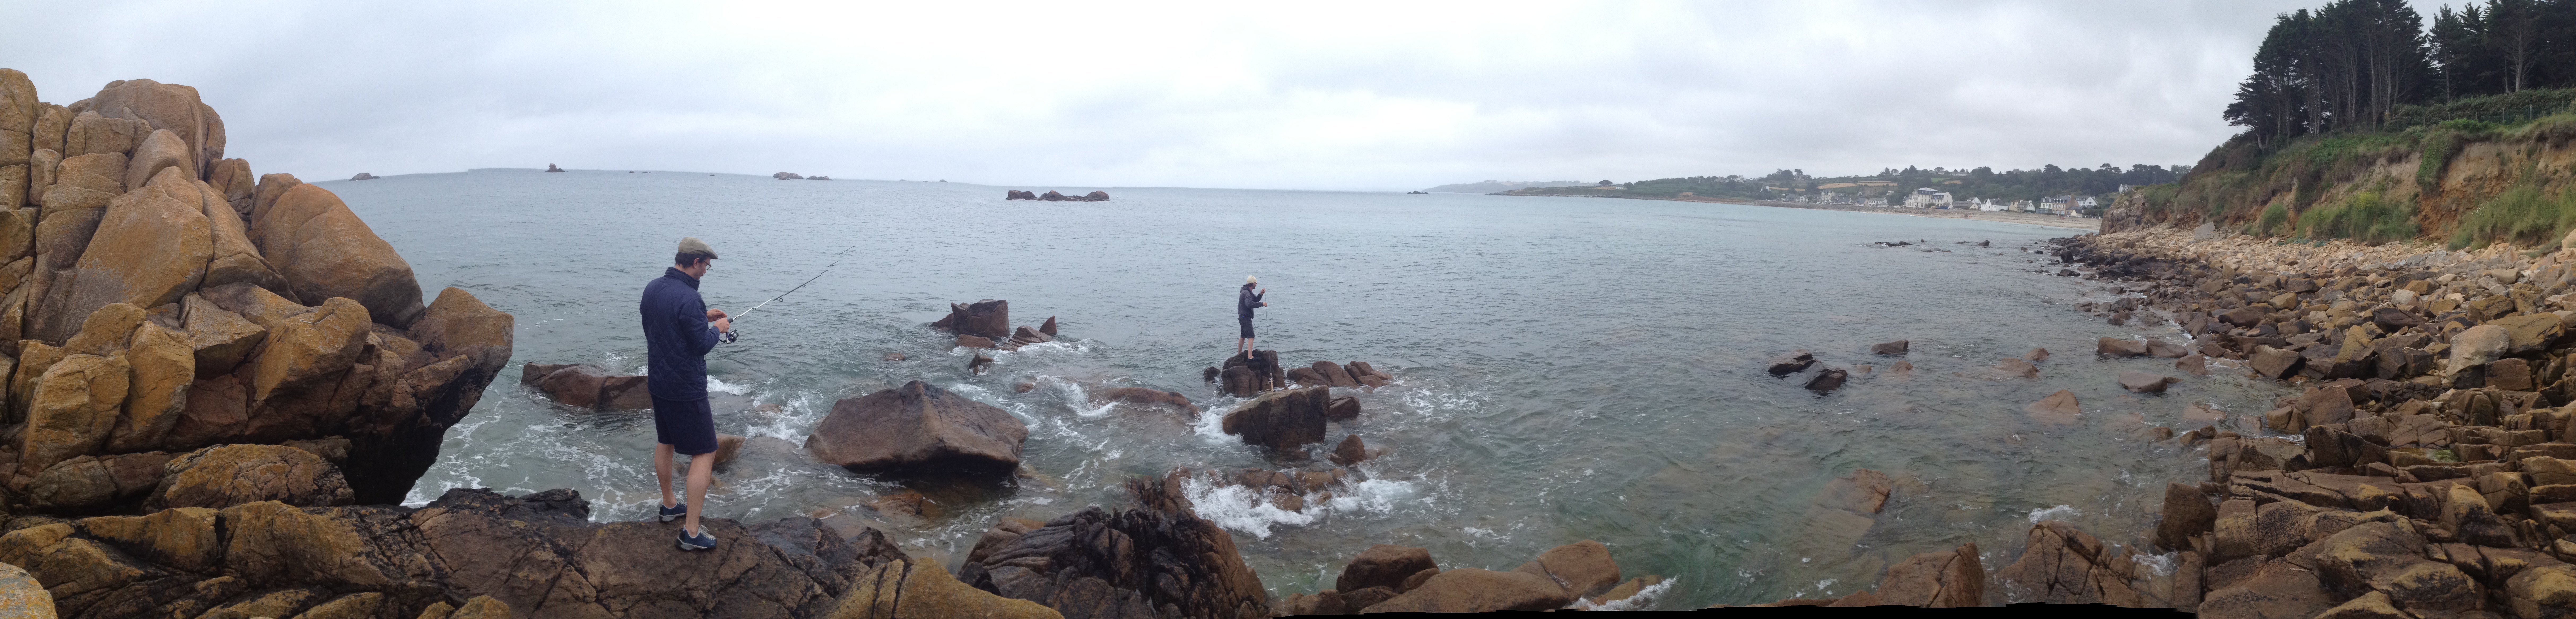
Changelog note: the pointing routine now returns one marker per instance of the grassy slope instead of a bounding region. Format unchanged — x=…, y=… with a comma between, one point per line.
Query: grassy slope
x=2464, y=181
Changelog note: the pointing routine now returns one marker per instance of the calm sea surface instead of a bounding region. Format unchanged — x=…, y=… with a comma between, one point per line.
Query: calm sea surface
x=1567, y=368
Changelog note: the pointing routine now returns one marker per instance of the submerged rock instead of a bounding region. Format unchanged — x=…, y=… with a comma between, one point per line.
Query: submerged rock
x=1791, y=363
x=2143, y=382
x=1141, y=396
x=1828, y=380
x=1898, y=347
x=989, y=319
x=2060, y=407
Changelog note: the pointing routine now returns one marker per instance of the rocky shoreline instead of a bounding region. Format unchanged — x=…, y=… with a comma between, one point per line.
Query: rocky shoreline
x=2427, y=469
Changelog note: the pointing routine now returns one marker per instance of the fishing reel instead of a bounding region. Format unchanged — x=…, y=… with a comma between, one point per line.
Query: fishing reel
x=725, y=337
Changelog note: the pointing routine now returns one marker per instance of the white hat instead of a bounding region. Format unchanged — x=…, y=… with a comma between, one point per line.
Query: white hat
x=1251, y=280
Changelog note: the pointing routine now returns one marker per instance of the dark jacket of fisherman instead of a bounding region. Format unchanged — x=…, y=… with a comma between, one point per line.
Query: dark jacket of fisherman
x=676, y=337
x=1243, y=305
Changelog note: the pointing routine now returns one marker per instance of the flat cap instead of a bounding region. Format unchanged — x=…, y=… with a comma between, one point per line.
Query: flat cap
x=691, y=245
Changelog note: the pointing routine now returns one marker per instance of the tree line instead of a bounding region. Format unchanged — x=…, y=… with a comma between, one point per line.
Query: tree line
x=2353, y=64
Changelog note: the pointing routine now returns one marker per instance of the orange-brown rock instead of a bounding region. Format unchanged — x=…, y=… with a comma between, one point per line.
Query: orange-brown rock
x=902, y=589
x=228, y=475
x=305, y=350
x=159, y=151
x=73, y=410
x=218, y=339
x=162, y=366
x=149, y=249
x=325, y=251
x=2062, y=565
x=169, y=107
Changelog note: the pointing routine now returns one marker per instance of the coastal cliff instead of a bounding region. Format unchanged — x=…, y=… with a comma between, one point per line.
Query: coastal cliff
x=2461, y=181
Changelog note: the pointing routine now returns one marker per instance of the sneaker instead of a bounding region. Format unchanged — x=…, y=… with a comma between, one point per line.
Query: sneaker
x=674, y=512
x=701, y=541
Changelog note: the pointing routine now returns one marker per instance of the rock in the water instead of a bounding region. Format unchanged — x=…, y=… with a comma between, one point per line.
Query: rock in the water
x=2163, y=349
x=1245, y=377
x=786, y=176
x=1472, y=590
x=1144, y=397
x=2059, y=407
x=2062, y=565
x=228, y=475
x=1333, y=374
x=1791, y=363
x=2143, y=382
x=1384, y=565
x=1583, y=568
x=980, y=363
x=2018, y=368
x=2116, y=347
x=918, y=427
x=552, y=168
x=1048, y=328
x=1016, y=194
x=1342, y=409
x=2036, y=355
x=1281, y=420
x=1351, y=451
x=1898, y=347
x=989, y=318
x=1156, y=560
x=2194, y=363
x=1030, y=335
x=1828, y=380
x=1095, y=196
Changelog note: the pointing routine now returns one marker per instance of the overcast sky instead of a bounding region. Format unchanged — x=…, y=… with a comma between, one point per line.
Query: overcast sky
x=1365, y=96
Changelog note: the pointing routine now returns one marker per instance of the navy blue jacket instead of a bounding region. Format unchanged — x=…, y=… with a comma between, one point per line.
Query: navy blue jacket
x=676, y=337
x=1244, y=303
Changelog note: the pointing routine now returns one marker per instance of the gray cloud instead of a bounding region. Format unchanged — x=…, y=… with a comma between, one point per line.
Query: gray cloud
x=1352, y=96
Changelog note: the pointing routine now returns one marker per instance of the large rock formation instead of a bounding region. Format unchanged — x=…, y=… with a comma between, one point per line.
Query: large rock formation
x=539, y=555
x=158, y=302
x=1158, y=559
x=918, y=428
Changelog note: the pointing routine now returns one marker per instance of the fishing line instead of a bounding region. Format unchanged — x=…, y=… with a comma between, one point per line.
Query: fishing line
x=737, y=318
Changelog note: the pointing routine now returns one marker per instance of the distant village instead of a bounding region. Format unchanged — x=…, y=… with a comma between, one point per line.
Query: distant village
x=1857, y=193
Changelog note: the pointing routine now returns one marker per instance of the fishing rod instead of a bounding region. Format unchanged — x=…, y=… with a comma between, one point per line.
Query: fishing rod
x=729, y=336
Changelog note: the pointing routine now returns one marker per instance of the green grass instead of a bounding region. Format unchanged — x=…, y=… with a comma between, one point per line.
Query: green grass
x=2275, y=220
x=2367, y=218
x=2522, y=215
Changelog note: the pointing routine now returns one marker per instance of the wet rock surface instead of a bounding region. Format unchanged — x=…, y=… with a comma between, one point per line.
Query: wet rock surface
x=918, y=428
x=1156, y=559
x=536, y=555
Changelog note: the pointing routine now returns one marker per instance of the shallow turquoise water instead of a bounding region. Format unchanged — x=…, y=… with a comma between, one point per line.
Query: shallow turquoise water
x=1568, y=368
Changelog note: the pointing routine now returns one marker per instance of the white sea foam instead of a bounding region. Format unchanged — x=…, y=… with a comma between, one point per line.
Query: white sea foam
x=1239, y=508
x=733, y=388
x=1643, y=600
x=2162, y=565
x=2060, y=512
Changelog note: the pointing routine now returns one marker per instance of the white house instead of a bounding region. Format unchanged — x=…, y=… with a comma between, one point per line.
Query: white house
x=1928, y=198
x=1991, y=204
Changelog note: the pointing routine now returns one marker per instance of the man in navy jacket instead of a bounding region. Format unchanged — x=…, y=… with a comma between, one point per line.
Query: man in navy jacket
x=678, y=332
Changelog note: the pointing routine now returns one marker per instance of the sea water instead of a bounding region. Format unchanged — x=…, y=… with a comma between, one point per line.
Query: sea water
x=1566, y=368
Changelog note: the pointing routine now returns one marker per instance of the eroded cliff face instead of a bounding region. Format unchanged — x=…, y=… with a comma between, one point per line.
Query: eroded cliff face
x=162, y=301
x=2235, y=184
